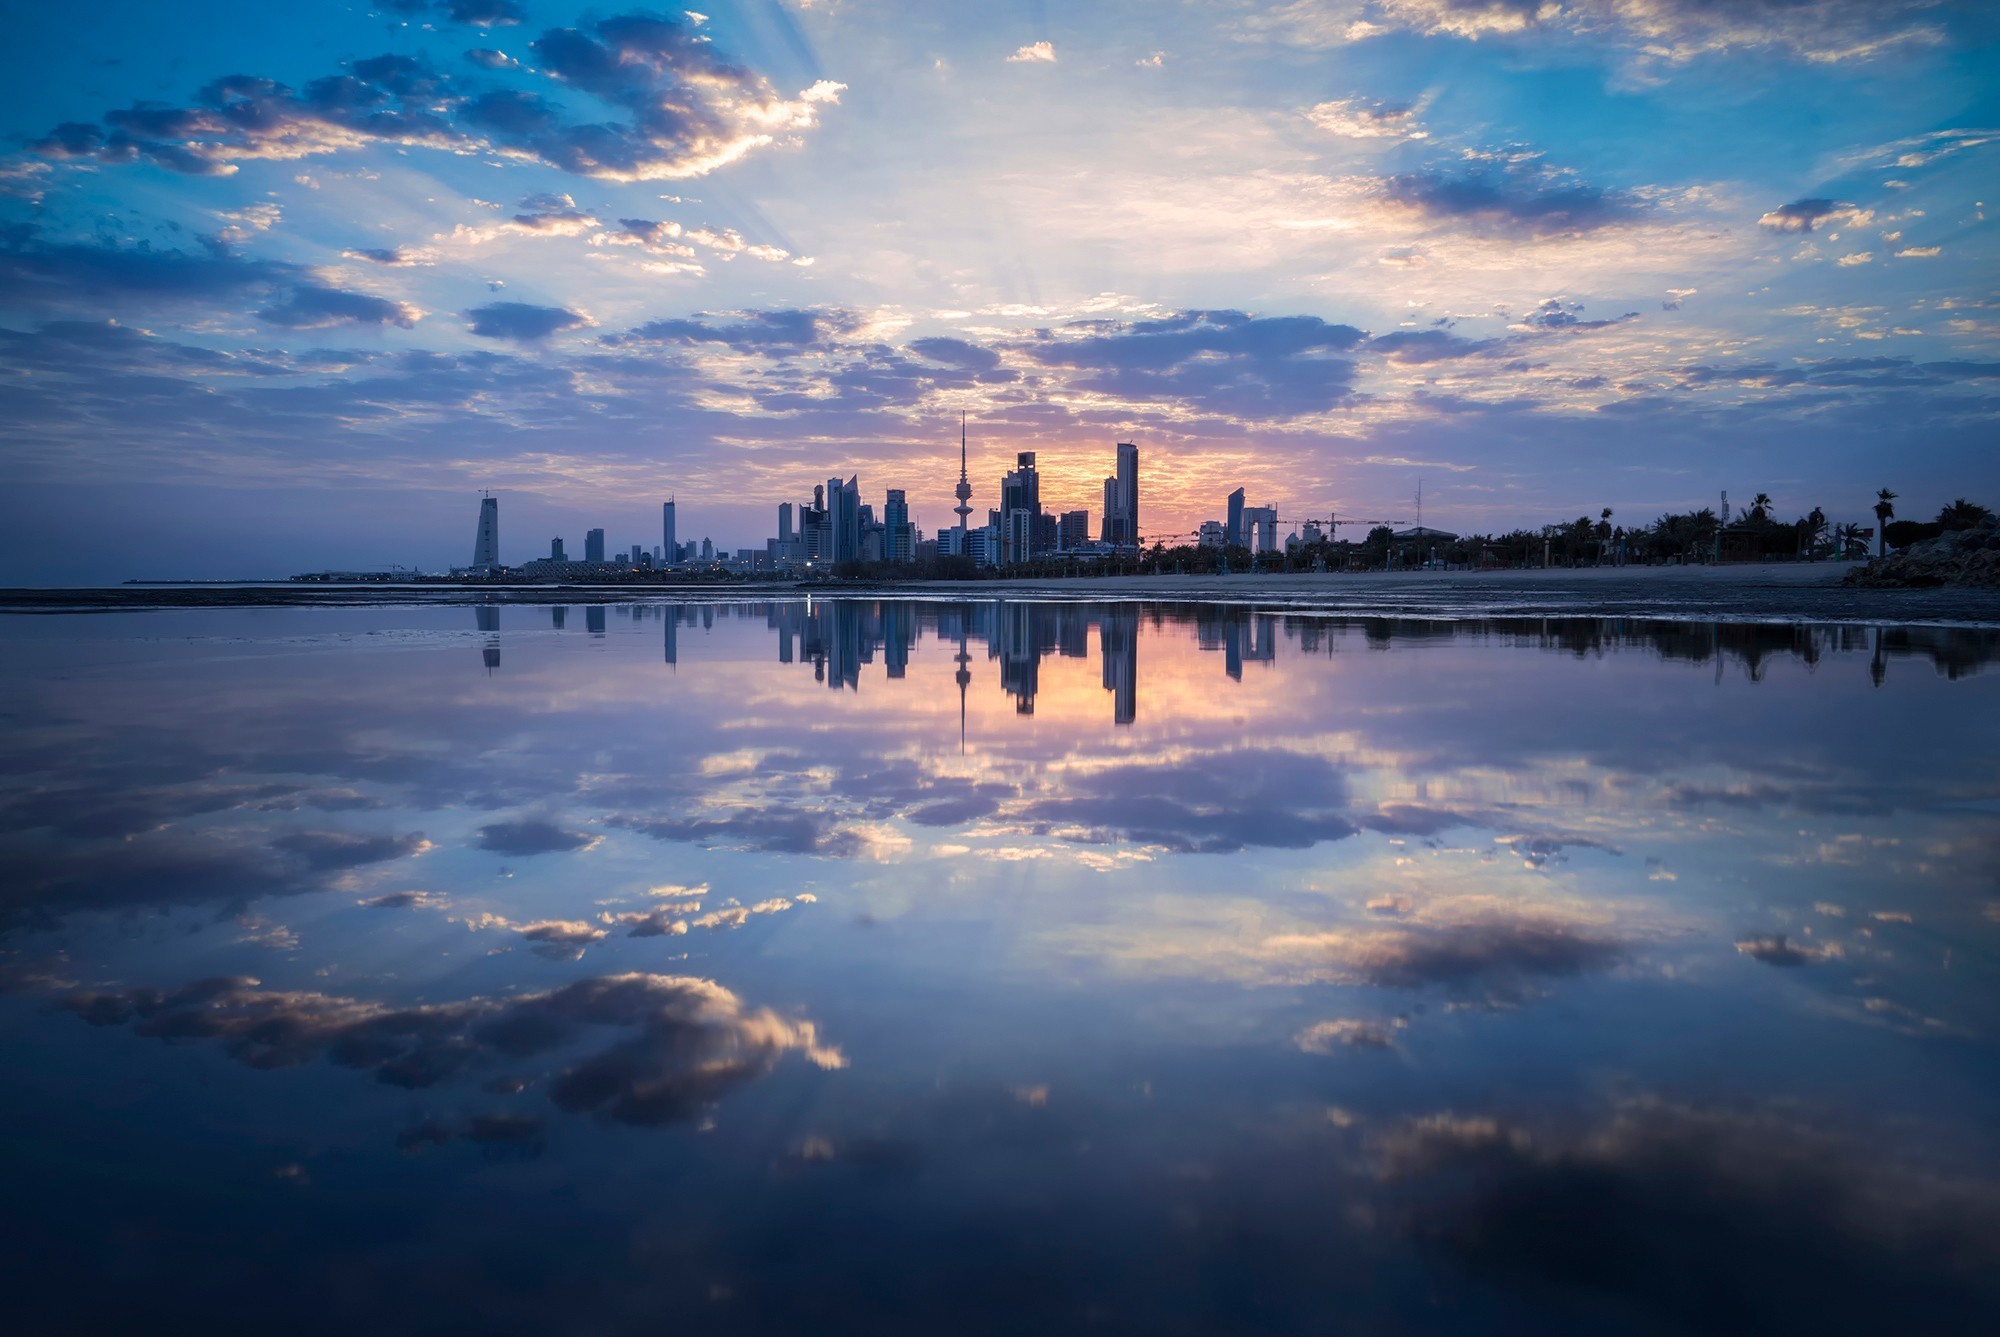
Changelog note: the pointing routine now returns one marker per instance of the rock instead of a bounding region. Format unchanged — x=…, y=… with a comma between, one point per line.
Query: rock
x=1959, y=557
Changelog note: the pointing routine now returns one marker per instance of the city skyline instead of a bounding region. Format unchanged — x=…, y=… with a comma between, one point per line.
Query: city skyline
x=278, y=286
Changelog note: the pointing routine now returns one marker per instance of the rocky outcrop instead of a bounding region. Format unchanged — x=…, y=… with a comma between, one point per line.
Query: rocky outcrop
x=1960, y=557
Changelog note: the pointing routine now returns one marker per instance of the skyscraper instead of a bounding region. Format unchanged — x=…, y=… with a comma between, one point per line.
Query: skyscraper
x=1128, y=492
x=1121, y=498
x=593, y=545
x=667, y=529
x=1233, y=534
x=898, y=539
x=556, y=553
x=486, y=545
x=1073, y=530
x=1021, y=510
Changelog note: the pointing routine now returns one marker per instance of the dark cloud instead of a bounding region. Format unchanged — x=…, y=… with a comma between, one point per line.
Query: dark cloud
x=955, y=353
x=764, y=829
x=753, y=331
x=530, y=836
x=37, y=274
x=332, y=851
x=1226, y=361
x=308, y=307
x=522, y=322
x=679, y=1045
x=1560, y=314
x=1530, y=204
x=1776, y=950
x=688, y=109
x=484, y=13
x=1803, y=215
x=1499, y=955
x=1416, y=347
x=1674, y=1219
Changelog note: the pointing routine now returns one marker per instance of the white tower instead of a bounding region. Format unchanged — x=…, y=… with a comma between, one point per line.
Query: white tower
x=964, y=485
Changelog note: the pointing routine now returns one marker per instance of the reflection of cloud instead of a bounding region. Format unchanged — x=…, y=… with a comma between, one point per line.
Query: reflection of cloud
x=1703, y=1222
x=1212, y=803
x=1496, y=952
x=1330, y=1037
x=679, y=1043
x=1776, y=950
x=749, y=829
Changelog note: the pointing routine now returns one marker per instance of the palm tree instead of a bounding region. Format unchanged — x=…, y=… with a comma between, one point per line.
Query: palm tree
x=1885, y=511
x=1760, y=507
x=1962, y=514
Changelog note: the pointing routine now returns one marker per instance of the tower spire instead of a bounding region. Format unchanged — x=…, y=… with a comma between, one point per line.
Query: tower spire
x=964, y=489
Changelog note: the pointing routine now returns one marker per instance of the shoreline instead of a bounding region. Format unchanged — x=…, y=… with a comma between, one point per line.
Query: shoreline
x=1778, y=592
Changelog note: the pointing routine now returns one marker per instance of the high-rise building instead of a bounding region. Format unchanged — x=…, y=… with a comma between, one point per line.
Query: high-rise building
x=486, y=544
x=593, y=546
x=1233, y=534
x=637, y=554
x=1021, y=494
x=707, y=550
x=1121, y=498
x=556, y=553
x=843, y=520
x=899, y=540
x=667, y=528
x=1073, y=530
x=1260, y=528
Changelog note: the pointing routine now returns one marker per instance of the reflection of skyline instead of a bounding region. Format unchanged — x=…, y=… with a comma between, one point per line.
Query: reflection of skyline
x=841, y=637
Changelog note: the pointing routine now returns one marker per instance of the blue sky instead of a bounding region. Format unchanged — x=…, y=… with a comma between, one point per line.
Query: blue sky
x=283, y=288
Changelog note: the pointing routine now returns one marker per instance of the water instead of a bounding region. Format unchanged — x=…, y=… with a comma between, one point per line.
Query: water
x=996, y=967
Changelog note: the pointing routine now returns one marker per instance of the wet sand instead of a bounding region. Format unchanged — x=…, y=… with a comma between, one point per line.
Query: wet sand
x=1774, y=592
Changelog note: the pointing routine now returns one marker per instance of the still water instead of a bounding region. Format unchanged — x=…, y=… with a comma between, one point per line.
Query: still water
x=877, y=967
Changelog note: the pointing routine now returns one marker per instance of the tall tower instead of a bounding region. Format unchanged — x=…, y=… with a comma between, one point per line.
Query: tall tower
x=1128, y=492
x=964, y=484
x=1234, y=530
x=486, y=546
x=667, y=548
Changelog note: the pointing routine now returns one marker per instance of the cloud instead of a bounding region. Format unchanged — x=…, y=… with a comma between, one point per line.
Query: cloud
x=522, y=322
x=688, y=110
x=678, y=1044
x=1668, y=31
x=1362, y=118
x=1523, y=201
x=310, y=307
x=1775, y=950
x=492, y=60
x=1560, y=314
x=1495, y=953
x=531, y=836
x=1808, y=215
x=1223, y=360
x=753, y=330
x=328, y=851
x=1033, y=52
x=1330, y=1037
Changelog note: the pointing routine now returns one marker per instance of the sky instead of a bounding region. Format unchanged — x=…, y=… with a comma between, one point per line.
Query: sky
x=283, y=288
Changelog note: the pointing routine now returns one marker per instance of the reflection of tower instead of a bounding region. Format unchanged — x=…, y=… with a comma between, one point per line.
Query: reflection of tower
x=672, y=635
x=964, y=661
x=593, y=619
x=557, y=614
x=964, y=489
x=486, y=545
x=1118, y=645
x=489, y=622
